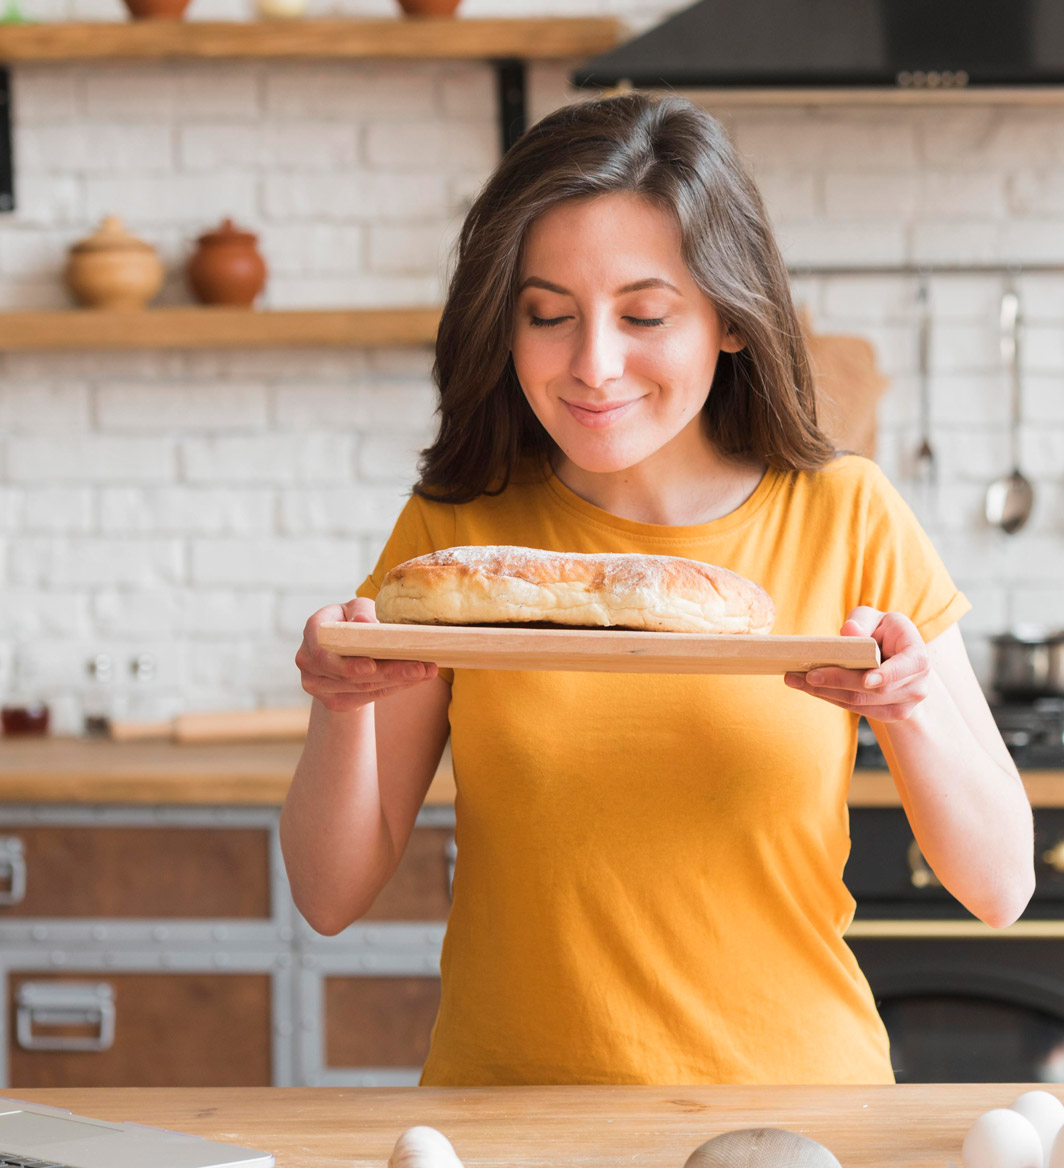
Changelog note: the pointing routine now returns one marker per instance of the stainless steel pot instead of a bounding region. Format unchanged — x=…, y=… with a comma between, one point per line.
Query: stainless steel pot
x=1028, y=664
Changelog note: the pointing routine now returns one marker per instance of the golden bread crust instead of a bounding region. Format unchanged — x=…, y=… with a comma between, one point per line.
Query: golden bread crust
x=510, y=585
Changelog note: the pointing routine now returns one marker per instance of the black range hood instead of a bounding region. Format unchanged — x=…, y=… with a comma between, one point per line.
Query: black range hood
x=855, y=43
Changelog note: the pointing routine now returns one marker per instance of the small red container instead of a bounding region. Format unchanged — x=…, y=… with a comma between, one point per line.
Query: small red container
x=157, y=9
x=429, y=7
x=227, y=268
x=24, y=721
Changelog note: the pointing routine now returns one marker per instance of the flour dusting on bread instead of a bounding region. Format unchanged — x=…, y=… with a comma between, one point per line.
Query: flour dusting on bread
x=500, y=584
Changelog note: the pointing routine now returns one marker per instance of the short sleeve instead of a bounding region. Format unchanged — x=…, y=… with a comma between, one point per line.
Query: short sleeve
x=422, y=527
x=901, y=570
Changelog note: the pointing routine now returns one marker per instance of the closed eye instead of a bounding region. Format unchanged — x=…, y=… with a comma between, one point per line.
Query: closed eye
x=546, y=322
x=549, y=322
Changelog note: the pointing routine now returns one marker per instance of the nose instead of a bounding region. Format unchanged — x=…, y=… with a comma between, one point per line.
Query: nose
x=598, y=357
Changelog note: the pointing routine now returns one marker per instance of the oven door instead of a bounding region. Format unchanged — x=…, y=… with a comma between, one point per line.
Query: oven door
x=981, y=1007
x=961, y=1002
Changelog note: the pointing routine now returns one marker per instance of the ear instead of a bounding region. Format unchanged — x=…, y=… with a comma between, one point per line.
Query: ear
x=731, y=342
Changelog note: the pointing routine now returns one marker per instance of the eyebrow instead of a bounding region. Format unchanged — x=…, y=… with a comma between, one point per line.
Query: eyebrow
x=638, y=286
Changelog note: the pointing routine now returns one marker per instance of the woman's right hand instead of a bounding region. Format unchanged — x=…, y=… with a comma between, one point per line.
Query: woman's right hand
x=346, y=683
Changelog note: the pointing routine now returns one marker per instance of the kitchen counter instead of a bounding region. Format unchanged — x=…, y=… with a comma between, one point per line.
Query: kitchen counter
x=93, y=770
x=90, y=770
x=911, y=1126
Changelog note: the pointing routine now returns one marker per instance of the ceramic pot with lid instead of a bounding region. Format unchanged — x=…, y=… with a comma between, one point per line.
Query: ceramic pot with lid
x=113, y=269
x=226, y=267
x=429, y=7
x=1028, y=663
x=157, y=9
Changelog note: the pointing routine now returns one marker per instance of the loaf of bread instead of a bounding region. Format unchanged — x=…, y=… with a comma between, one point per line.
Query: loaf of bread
x=510, y=585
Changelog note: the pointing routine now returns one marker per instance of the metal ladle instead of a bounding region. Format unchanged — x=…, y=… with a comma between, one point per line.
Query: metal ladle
x=926, y=471
x=1009, y=499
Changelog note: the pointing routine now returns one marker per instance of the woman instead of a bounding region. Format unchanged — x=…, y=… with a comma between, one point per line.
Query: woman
x=649, y=878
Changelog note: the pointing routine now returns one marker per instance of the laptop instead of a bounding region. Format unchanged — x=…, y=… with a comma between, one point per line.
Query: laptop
x=35, y=1136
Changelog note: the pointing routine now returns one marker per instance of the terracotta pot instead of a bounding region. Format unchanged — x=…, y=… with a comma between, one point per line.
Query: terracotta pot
x=113, y=269
x=157, y=9
x=429, y=7
x=227, y=268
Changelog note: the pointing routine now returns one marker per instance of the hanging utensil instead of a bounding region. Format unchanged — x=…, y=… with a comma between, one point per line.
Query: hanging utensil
x=1009, y=499
x=925, y=470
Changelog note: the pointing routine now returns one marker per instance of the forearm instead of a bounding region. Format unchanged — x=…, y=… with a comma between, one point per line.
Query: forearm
x=336, y=845
x=969, y=812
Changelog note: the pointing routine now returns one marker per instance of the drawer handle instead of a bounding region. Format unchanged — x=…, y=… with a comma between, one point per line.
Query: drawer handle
x=450, y=851
x=920, y=875
x=1054, y=856
x=42, y=1004
x=12, y=871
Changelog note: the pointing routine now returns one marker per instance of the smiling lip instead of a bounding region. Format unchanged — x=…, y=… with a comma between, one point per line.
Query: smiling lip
x=599, y=415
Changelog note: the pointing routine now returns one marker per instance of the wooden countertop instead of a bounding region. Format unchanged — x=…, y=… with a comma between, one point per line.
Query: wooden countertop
x=92, y=770
x=88, y=770
x=911, y=1126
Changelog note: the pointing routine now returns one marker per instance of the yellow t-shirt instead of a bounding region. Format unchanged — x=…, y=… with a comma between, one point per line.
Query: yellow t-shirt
x=649, y=878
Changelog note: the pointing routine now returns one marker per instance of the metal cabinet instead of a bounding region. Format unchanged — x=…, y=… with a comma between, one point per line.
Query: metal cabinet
x=160, y=947
x=368, y=997
x=161, y=1028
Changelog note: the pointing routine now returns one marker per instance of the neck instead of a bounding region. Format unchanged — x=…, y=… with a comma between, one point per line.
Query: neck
x=672, y=488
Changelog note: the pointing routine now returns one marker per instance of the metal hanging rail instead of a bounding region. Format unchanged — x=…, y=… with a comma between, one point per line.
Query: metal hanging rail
x=919, y=270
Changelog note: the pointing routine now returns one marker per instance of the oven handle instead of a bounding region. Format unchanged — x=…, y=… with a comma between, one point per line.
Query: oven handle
x=920, y=874
x=924, y=928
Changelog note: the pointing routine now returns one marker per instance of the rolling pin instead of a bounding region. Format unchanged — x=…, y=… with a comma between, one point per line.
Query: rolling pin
x=282, y=723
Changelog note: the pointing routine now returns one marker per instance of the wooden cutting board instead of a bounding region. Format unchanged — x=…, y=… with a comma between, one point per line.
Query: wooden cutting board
x=848, y=387
x=594, y=650
x=279, y=724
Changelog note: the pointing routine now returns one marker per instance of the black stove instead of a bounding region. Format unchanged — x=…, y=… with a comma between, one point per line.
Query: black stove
x=961, y=1002
x=1033, y=731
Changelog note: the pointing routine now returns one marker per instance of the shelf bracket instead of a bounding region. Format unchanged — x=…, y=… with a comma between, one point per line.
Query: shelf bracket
x=513, y=86
x=7, y=164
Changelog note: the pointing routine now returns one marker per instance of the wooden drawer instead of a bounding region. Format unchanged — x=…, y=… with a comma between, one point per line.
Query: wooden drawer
x=420, y=890
x=169, y=1030
x=379, y=1021
x=178, y=872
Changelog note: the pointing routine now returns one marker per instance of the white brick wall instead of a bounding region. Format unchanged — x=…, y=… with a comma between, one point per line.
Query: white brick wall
x=199, y=506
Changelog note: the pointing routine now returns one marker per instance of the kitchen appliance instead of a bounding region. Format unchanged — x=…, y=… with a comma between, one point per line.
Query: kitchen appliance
x=828, y=43
x=50, y=1137
x=963, y=1002
x=1032, y=730
x=1028, y=664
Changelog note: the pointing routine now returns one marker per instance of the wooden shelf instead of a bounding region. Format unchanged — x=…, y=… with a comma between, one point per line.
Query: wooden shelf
x=209, y=328
x=420, y=38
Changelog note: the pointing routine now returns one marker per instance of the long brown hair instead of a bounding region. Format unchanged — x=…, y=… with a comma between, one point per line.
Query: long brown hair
x=666, y=149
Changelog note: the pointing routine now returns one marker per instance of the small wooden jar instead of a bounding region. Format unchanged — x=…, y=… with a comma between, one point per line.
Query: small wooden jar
x=226, y=267
x=113, y=269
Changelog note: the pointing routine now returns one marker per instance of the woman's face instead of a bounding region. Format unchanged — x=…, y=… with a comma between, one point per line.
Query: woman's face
x=614, y=344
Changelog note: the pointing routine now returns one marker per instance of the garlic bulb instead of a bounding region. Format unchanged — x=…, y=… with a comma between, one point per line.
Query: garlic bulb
x=423, y=1147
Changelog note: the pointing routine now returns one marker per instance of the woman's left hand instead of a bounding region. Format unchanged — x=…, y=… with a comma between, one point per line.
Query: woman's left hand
x=889, y=693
